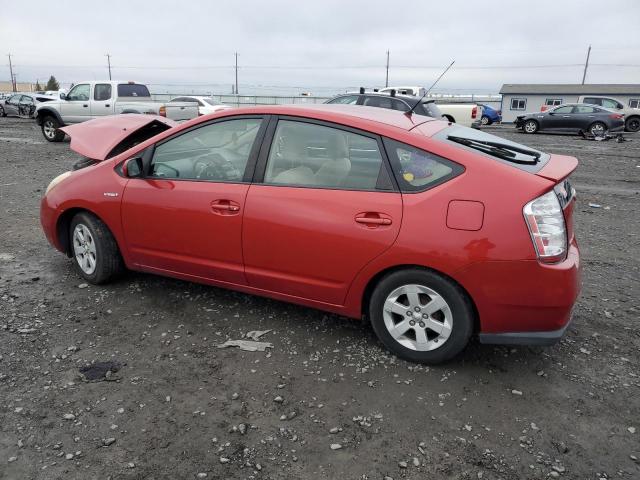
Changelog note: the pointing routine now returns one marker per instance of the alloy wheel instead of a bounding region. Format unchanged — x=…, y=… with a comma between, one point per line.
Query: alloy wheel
x=49, y=129
x=598, y=129
x=418, y=317
x=530, y=127
x=484, y=120
x=84, y=249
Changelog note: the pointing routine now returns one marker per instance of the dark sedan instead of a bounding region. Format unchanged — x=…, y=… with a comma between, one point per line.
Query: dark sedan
x=573, y=117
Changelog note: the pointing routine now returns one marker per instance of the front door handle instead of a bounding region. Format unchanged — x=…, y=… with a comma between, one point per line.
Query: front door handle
x=373, y=219
x=85, y=105
x=225, y=207
x=107, y=105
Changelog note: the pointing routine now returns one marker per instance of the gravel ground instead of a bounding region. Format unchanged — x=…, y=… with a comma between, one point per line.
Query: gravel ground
x=327, y=401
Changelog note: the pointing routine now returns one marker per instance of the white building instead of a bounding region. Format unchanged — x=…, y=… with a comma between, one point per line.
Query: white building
x=518, y=99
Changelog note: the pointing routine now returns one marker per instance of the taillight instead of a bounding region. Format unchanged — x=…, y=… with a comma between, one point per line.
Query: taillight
x=544, y=108
x=474, y=112
x=616, y=116
x=163, y=111
x=545, y=220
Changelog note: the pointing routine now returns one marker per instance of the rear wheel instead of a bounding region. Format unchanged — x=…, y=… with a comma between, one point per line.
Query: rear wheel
x=598, y=129
x=531, y=126
x=94, y=250
x=485, y=120
x=421, y=316
x=2, y=112
x=633, y=124
x=50, y=126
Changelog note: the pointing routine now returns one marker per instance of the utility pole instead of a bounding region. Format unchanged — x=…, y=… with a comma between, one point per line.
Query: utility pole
x=586, y=65
x=386, y=82
x=13, y=78
x=109, y=63
x=236, y=73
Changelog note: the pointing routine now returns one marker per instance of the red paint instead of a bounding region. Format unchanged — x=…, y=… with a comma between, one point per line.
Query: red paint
x=321, y=247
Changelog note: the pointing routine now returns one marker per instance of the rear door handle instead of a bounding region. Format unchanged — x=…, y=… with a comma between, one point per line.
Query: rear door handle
x=373, y=219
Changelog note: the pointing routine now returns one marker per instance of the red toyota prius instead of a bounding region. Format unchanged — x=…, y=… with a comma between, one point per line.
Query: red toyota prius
x=433, y=231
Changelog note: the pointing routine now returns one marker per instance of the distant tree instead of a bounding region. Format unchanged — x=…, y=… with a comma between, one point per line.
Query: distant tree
x=52, y=84
x=38, y=86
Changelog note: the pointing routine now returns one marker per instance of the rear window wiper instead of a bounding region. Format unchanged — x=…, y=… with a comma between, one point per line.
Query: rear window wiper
x=500, y=150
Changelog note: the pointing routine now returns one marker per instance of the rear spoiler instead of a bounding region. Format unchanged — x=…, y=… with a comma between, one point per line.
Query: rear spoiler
x=558, y=167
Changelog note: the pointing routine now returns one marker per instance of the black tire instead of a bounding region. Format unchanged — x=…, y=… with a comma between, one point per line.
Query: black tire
x=108, y=261
x=460, y=307
x=50, y=126
x=449, y=118
x=533, y=126
x=2, y=112
x=598, y=129
x=485, y=120
x=632, y=124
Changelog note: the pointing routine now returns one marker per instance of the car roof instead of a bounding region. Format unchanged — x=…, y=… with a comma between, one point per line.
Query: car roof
x=349, y=115
x=410, y=99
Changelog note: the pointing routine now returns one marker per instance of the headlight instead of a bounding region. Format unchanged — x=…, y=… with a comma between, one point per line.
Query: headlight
x=56, y=181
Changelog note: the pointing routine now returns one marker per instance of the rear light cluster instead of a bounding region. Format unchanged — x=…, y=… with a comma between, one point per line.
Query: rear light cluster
x=616, y=116
x=545, y=220
x=163, y=111
x=474, y=112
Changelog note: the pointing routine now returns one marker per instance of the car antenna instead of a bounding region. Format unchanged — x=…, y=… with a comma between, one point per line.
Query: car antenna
x=430, y=88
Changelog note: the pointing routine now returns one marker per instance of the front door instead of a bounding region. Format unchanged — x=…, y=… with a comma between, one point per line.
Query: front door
x=560, y=118
x=324, y=209
x=102, y=103
x=75, y=107
x=185, y=216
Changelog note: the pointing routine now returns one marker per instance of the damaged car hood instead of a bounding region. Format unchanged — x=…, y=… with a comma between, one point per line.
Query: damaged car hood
x=105, y=137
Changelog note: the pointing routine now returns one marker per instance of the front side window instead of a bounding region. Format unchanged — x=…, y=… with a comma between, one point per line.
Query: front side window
x=306, y=154
x=518, y=104
x=565, y=109
x=14, y=99
x=417, y=170
x=79, y=93
x=217, y=152
x=346, y=100
x=102, y=91
x=634, y=103
x=553, y=102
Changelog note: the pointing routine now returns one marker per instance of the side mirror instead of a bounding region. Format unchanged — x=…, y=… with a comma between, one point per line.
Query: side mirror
x=63, y=96
x=133, y=168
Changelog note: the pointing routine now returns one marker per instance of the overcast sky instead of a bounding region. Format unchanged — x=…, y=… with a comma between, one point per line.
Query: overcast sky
x=324, y=46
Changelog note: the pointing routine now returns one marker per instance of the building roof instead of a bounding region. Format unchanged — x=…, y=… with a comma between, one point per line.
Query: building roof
x=570, y=89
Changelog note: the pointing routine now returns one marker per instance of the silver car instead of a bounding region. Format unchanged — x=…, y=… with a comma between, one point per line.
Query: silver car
x=23, y=104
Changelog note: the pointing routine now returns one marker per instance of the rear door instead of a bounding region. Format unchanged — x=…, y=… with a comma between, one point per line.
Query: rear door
x=185, y=216
x=102, y=103
x=322, y=207
x=584, y=116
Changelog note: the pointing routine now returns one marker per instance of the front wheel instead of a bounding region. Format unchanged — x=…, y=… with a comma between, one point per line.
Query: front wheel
x=95, y=251
x=531, y=126
x=633, y=124
x=2, y=112
x=598, y=129
x=421, y=316
x=50, y=126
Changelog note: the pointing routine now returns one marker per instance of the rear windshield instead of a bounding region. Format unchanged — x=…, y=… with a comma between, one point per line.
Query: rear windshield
x=473, y=134
x=133, y=90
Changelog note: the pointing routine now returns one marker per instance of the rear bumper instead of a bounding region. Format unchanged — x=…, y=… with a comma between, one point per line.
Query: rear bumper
x=476, y=124
x=523, y=302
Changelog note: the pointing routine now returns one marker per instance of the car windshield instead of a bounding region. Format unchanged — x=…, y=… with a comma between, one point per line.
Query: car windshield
x=506, y=151
x=211, y=101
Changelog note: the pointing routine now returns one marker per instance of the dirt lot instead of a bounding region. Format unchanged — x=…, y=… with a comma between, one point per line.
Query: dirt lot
x=179, y=407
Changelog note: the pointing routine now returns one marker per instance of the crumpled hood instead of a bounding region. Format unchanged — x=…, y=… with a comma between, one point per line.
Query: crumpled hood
x=96, y=138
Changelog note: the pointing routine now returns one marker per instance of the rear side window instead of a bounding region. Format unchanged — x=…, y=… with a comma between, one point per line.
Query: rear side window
x=417, y=170
x=102, y=91
x=133, y=90
x=345, y=100
x=634, y=103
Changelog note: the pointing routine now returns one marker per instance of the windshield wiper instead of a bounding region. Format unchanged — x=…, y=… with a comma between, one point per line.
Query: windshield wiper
x=500, y=150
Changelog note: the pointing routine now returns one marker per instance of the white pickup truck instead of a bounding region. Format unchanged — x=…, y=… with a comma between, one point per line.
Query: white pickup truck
x=467, y=114
x=93, y=99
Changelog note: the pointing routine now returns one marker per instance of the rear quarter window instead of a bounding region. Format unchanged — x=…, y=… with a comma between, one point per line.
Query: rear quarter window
x=133, y=90
x=417, y=170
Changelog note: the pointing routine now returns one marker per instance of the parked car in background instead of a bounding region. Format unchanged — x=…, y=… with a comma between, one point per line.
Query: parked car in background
x=416, y=223
x=467, y=114
x=411, y=91
x=490, y=115
x=402, y=103
x=206, y=105
x=23, y=104
x=631, y=115
x=87, y=100
x=572, y=117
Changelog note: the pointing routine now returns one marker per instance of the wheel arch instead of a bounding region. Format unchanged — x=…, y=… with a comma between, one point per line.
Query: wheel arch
x=42, y=113
x=375, y=280
x=63, y=224
x=449, y=117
